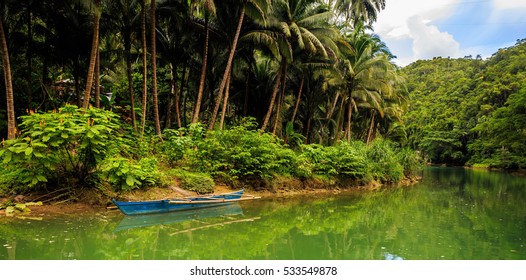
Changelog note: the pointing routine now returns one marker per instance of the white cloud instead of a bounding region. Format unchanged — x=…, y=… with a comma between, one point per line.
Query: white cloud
x=509, y=4
x=429, y=42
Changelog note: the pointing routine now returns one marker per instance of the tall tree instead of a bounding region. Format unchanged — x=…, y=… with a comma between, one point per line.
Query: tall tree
x=144, y=66
x=356, y=11
x=154, y=68
x=11, y=122
x=94, y=52
x=258, y=10
x=208, y=7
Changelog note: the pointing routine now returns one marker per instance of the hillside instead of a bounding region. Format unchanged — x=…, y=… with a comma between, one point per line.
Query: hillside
x=470, y=111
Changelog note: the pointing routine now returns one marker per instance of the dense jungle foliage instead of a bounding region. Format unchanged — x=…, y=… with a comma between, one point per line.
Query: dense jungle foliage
x=128, y=94
x=470, y=111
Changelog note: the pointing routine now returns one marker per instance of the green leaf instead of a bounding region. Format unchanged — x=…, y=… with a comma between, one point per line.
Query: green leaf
x=45, y=138
x=7, y=157
x=130, y=180
x=64, y=135
x=41, y=178
x=29, y=150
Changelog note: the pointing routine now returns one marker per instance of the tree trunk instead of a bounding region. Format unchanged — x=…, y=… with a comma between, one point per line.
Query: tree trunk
x=228, y=68
x=181, y=91
x=349, y=117
x=97, y=79
x=11, y=121
x=339, y=123
x=333, y=105
x=298, y=99
x=29, y=54
x=93, y=58
x=144, y=67
x=154, y=71
x=280, y=100
x=177, y=98
x=127, y=50
x=197, y=109
x=273, y=97
x=225, y=103
x=369, y=135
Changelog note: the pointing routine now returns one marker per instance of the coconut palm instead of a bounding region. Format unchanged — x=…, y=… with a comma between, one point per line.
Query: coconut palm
x=208, y=9
x=256, y=10
x=356, y=11
x=11, y=122
x=94, y=53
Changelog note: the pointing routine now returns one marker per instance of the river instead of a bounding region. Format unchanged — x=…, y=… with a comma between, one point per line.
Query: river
x=452, y=214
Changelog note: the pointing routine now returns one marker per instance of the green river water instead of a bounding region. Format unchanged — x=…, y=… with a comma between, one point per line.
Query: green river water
x=453, y=214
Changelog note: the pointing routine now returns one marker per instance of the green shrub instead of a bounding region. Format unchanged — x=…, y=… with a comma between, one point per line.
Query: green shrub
x=195, y=181
x=243, y=153
x=383, y=161
x=126, y=174
x=68, y=143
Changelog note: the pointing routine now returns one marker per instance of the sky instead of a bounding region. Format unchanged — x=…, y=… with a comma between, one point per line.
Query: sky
x=423, y=29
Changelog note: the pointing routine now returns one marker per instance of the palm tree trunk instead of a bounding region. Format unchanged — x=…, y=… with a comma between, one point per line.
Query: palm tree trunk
x=93, y=58
x=349, y=116
x=298, y=99
x=11, y=122
x=97, y=79
x=181, y=91
x=225, y=103
x=273, y=97
x=339, y=123
x=369, y=135
x=280, y=100
x=130, y=82
x=154, y=71
x=177, y=97
x=228, y=68
x=144, y=67
x=195, y=117
x=29, y=54
x=333, y=105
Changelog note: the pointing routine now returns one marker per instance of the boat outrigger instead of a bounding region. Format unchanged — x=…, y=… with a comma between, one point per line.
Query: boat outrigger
x=179, y=204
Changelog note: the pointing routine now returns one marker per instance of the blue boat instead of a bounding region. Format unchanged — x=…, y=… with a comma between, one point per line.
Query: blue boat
x=171, y=205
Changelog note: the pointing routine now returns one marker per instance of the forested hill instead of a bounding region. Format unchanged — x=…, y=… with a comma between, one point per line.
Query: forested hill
x=470, y=111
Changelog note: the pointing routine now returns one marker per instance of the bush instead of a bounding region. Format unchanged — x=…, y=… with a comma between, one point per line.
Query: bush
x=126, y=174
x=194, y=181
x=68, y=143
x=242, y=153
x=383, y=161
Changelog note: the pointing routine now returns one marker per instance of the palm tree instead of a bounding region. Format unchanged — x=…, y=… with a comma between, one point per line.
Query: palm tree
x=93, y=57
x=356, y=11
x=257, y=10
x=208, y=9
x=154, y=69
x=11, y=122
x=301, y=25
x=144, y=65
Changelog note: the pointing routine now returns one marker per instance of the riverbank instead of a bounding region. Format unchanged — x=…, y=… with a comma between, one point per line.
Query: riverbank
x=95, y=201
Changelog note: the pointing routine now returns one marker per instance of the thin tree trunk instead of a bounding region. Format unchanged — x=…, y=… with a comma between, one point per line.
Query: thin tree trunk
x=273, y=97
x=298, y=99
x=339, y=123
x=225, y=103
x=154, y=70
x=333, y=105
x=127, y=50
x=29, y=54
x=181, y=90
x=280, y=100
x=197, y=109
x=177, y=98
x=228, y=68
x=11, y=121
x=307, y=132
x=97, y=79
x=369, y=135
x=144, y=67
x=94, y=47
x=349, y=117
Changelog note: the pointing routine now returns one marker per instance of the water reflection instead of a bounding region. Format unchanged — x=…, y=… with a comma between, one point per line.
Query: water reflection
x=138, y=221
x=451, y=214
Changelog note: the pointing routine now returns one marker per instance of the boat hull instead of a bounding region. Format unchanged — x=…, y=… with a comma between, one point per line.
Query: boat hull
x=171, y=205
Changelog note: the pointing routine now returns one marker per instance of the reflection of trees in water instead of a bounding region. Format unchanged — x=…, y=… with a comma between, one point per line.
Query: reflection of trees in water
x=452, y=214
